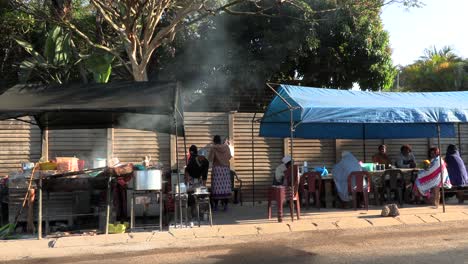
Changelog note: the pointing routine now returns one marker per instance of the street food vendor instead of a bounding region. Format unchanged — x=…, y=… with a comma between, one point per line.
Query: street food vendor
x=197, y=167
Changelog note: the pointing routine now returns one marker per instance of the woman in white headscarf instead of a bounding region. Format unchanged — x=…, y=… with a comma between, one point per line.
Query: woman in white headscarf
x=341, y=171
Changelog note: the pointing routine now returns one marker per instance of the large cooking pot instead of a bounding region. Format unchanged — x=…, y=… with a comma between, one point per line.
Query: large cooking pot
x=99, y=163
x=148, y=180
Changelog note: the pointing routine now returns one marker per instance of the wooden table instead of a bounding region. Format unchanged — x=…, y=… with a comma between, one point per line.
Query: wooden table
x=327, y=183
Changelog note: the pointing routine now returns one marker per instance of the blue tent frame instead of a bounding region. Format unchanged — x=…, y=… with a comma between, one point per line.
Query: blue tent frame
x=318, y=113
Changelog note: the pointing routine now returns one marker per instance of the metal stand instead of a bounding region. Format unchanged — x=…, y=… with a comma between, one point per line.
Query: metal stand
x=182, y=198
x=159, y=194
x=203, y=200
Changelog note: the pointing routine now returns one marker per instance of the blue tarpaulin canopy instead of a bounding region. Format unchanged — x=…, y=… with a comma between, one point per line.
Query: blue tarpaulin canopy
x=328, y=113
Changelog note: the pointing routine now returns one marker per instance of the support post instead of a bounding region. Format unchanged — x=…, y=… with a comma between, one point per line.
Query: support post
x=45, y=157
x=160, y=210
x=110, y=144
x=178, y=170
x=108, y=206
x=231, y=137
x=291, y=128
x=441, y=169
x=459, y=140
x=364, y=142
x=39, y=213
x=253, y=161
x=45, y=144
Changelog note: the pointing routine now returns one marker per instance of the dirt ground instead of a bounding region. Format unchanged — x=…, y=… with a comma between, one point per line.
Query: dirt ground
x=428, y=243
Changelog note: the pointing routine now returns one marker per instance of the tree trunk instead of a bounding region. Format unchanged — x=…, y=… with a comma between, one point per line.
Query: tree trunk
x=139, y=75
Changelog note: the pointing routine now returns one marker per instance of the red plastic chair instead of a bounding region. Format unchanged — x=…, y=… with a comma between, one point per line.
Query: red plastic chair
x=314, y=185
x=359, y=180
x=295, y=194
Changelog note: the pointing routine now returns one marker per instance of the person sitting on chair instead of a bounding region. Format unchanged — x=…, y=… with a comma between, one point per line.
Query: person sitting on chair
x=407, y=159
x=278, y=178
x=341, y=171
x=381, y=157
x=429, y=180
x=456, y=170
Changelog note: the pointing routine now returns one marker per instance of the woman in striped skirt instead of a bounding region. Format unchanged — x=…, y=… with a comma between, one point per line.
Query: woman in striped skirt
x=220, y=155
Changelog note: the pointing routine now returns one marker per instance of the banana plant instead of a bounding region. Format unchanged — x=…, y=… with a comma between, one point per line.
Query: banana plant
x=100, y=65
x=54, y=64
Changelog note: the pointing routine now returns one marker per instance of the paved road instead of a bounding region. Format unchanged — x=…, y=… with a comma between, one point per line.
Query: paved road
x=438, y=243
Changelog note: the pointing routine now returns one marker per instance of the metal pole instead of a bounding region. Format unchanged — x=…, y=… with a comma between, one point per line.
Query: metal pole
x=185, y=150
x=291, y=128
x=459, y=140
x=178, y=177
x=441, y=169
x=39, y=214
x=160, y=210
x=39, y=187
x=253, y=162
x=108, y=204
x=132, y=210
x=364, y=141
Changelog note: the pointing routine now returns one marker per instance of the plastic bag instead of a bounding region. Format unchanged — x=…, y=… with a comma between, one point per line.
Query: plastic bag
x=322, y=170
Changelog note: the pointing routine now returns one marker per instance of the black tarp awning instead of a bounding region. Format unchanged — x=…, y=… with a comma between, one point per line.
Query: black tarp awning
x=139, y=105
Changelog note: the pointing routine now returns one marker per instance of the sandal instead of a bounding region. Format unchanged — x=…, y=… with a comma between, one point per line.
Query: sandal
x=385, y=211
x=394, y=211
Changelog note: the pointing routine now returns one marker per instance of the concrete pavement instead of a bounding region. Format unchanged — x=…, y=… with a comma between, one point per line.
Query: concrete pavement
x=229, y=228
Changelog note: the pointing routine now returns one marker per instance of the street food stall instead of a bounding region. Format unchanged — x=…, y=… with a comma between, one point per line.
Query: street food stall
x=141, y=105
x=317, y=113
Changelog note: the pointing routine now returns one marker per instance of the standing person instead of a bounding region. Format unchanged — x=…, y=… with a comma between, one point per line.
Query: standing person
x=381, y=157
x=456, y=170
x=406, y=159
x=220, y=155
x=429, y=179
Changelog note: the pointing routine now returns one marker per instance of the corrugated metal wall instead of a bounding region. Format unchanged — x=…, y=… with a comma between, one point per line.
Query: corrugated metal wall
x=19, y=142
x=267, y=155
x=86, y=144
x=130, y=145
x=317, y=152
x=200, y=128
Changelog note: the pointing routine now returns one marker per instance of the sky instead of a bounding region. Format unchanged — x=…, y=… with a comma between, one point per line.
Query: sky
x=439, y=22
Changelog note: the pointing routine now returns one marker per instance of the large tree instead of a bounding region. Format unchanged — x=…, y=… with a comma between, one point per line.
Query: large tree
x=436, y=70
x=140, y=27
x=325, y=49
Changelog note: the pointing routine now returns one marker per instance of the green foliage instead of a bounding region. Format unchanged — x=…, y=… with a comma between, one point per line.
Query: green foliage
x=337, y=48
x=436, y=70
x=12, y=25
x=54, y=64
x=100, y=65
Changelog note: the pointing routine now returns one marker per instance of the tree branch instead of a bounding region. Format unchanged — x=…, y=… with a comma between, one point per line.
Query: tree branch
x=95, y=45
